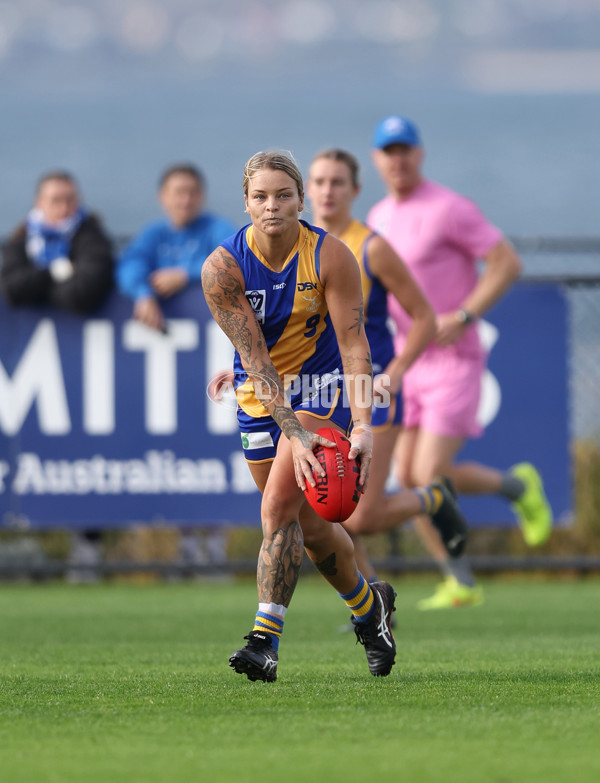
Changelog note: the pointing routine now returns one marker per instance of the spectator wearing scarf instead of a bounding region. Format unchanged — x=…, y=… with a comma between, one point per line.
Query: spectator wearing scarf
x=60, y=255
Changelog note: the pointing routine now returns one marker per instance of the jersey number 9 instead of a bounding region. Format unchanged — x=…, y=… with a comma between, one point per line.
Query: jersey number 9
x=311, y=325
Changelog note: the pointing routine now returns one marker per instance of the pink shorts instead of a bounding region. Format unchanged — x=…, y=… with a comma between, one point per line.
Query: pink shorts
x=441, y=394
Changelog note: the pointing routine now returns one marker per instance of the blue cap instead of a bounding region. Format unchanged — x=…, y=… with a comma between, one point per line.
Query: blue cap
x=396, y=130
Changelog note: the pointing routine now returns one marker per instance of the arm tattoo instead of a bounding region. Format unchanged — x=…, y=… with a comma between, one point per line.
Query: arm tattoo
x=235, y=327
x=290, y=426
x=279, y=564
x=227, y=302
x=220, y=280
x=357, y=364
x=360, y=319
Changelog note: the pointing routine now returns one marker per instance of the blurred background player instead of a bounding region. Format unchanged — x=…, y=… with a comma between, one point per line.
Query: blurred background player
x=168, y=254
x=332, y=187
x=440, y=235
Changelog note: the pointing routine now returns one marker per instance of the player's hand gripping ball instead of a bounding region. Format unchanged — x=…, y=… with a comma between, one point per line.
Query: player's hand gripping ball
x=337, y=493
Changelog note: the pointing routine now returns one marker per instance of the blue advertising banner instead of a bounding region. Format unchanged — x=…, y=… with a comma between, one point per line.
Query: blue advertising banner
x=105, y=422
x=525, y=398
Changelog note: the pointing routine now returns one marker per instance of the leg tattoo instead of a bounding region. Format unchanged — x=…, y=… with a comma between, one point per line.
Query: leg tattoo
x=279, y=564
x=327, y=567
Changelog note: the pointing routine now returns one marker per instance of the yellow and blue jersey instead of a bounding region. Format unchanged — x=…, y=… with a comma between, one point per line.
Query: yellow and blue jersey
x=357, y=237
x=292, y=312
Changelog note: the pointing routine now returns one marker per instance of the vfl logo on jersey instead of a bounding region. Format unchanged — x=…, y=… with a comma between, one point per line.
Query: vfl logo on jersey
x=257, y=303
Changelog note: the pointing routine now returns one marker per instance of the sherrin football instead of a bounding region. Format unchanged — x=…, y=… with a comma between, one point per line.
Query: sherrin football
x=337, y=493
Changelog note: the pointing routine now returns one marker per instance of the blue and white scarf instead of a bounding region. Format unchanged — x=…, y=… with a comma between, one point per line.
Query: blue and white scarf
x=46, y=242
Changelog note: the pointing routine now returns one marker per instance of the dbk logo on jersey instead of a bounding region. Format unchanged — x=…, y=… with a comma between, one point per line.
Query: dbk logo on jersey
x=257, y=303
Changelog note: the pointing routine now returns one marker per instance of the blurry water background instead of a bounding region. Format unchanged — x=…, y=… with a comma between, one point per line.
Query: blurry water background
x=506, y=92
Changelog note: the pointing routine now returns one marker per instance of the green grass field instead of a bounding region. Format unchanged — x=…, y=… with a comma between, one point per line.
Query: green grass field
x=129, y=683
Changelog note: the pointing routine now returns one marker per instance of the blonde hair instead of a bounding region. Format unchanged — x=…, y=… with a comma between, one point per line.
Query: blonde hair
x=277, y=161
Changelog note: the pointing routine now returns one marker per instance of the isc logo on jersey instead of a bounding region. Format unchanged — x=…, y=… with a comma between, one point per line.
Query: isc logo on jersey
x=257, y=299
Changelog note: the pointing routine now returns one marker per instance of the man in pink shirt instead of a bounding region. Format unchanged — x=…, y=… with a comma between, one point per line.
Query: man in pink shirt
x=441, y=235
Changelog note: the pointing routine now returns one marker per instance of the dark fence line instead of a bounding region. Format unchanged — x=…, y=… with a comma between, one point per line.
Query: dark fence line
x=551, y=245
x=579, y=280
x=396, y=565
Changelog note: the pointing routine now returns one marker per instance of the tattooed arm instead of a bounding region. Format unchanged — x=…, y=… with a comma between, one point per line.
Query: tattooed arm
x=341, y=280
x=223, y=286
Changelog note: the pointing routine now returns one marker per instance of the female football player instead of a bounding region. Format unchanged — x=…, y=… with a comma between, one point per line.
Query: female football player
x=288, y=296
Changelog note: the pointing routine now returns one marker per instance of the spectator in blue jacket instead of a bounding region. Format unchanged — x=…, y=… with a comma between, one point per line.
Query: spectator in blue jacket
x=168, y=254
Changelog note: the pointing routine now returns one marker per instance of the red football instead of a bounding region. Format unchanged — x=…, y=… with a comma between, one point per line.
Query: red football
x=337, y=493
